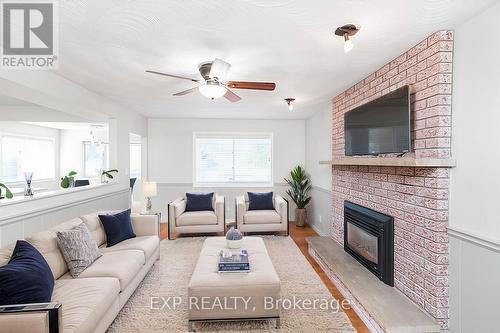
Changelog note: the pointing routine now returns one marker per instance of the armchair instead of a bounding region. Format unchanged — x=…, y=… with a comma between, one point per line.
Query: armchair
x=180, y=221
x=275, y=220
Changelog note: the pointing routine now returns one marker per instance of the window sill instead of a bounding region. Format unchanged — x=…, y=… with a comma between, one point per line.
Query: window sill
x=49, y=194
x=233, y=185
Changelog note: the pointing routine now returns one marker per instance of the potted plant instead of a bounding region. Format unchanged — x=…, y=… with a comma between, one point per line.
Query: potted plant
x=8, y=193
x=300, y=185
x=107, y=174
x=69, y=180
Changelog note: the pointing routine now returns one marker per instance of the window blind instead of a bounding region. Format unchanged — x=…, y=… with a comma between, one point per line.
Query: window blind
x=233, y=158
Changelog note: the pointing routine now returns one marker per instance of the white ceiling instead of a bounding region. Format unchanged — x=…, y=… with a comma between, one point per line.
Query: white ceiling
x=70, y=125
x=105, y=46
x=11, y=101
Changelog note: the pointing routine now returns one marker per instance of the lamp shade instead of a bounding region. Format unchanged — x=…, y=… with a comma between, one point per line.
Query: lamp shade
x=149, y=189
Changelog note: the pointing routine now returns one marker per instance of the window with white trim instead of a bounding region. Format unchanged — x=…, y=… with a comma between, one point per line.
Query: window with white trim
x=232, y=159
x=95, y=159
x=135, y=160
x=20, y=154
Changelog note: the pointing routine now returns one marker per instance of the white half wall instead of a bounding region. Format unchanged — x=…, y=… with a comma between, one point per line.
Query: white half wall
x=170, y=154
x=475, y=183
x=319, y=147
x=23, y=218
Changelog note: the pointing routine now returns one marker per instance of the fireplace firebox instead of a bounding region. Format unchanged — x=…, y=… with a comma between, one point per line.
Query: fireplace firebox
x=369, y=238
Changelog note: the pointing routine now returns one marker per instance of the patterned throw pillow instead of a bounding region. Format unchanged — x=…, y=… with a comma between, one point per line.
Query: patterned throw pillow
x=78, y=247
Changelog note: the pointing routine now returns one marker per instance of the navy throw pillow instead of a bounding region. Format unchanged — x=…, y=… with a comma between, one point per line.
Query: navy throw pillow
x=260, y=201
x=27, y=277
x=118, y=227
x=199, y=201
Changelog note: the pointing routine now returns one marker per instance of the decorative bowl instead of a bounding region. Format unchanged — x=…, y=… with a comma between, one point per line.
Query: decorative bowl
x=234, y=244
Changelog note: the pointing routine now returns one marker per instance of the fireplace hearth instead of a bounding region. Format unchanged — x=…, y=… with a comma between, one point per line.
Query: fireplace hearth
x=369, y=238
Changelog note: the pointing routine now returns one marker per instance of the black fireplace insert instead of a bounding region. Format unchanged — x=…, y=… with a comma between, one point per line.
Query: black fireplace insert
x=369, y=238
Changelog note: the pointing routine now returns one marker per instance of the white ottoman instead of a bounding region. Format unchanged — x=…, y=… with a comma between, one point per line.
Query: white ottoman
x=214, y=296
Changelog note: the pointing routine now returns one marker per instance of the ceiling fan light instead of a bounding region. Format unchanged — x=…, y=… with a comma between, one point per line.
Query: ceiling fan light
x=348, y=45
x=212, y=91
x=289, y=102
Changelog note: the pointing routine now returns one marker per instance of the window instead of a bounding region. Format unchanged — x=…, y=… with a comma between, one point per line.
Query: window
x=135, y=160
x=95, y=159
x=232, y=159
x=19, y=154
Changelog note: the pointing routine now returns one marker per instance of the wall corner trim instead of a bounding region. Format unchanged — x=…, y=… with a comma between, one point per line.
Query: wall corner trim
x=474, y=238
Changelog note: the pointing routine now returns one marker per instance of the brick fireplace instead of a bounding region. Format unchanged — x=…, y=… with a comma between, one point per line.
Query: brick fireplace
x=417, y=197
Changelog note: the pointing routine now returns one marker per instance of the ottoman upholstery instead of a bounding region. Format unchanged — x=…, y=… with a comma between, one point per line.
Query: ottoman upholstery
x=208, y=288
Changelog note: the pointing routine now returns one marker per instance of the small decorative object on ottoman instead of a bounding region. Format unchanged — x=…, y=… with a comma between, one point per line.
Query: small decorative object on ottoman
x=234, y=239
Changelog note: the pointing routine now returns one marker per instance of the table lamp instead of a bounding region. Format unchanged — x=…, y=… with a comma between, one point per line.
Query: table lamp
x=149, y=190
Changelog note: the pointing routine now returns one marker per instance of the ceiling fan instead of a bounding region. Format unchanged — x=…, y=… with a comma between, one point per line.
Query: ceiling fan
x=214, y=84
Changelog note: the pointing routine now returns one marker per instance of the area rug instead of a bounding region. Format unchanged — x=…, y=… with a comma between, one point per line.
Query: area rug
x=170, y=278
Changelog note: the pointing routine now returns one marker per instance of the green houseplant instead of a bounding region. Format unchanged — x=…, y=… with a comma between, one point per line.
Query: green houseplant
x=8, y=193
x=107, y=174
x=69, y=180
x=300, y=186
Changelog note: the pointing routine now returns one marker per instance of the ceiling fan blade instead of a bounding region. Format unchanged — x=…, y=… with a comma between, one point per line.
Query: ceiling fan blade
x=231, y=96
x=171, y=75
x=252, y=85
x=219, y=69
x=185, y=92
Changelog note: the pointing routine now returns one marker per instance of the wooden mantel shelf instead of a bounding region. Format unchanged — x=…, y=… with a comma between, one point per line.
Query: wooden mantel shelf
x=393, y=161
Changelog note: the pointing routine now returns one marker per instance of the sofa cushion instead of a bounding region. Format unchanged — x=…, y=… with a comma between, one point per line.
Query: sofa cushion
x=6, y=253
x=147, y=244
x=78, y=247
x=85, y=301
x=118, y=227
x=122, y=265
x=95, y=227
x=196, y=202
x=196, y=218
x=46, y=242
x=260, y=201
x=27, y=277
x=261, y=217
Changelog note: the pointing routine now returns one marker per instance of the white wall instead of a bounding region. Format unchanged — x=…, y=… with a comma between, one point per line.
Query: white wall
x=319, y=147
x=170, y=153
x=475, y=182
x=15, y=127
x=49, y=90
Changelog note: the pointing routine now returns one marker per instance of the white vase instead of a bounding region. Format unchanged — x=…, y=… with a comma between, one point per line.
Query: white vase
x=234, y=244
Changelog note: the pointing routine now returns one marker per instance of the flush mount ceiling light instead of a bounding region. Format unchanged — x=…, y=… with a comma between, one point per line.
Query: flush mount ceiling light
x=289, y=102
x=347, y=31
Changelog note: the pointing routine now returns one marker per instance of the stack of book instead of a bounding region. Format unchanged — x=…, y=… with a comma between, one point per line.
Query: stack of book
x=234, y=263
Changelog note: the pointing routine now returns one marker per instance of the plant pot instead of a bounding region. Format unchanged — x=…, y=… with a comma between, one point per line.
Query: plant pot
x=300, y=217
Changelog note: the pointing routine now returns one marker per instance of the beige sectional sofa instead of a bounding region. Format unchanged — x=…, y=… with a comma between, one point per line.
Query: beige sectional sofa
x=90, y=302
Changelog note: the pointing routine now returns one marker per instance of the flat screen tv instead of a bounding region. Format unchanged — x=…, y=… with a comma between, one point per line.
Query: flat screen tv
x=381, y=126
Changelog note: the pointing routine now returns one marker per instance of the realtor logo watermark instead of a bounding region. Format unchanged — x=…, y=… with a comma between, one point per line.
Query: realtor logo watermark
x=29, y=35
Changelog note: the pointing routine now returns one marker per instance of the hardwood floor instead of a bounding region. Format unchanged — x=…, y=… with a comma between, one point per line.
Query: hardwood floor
x=299, y=235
